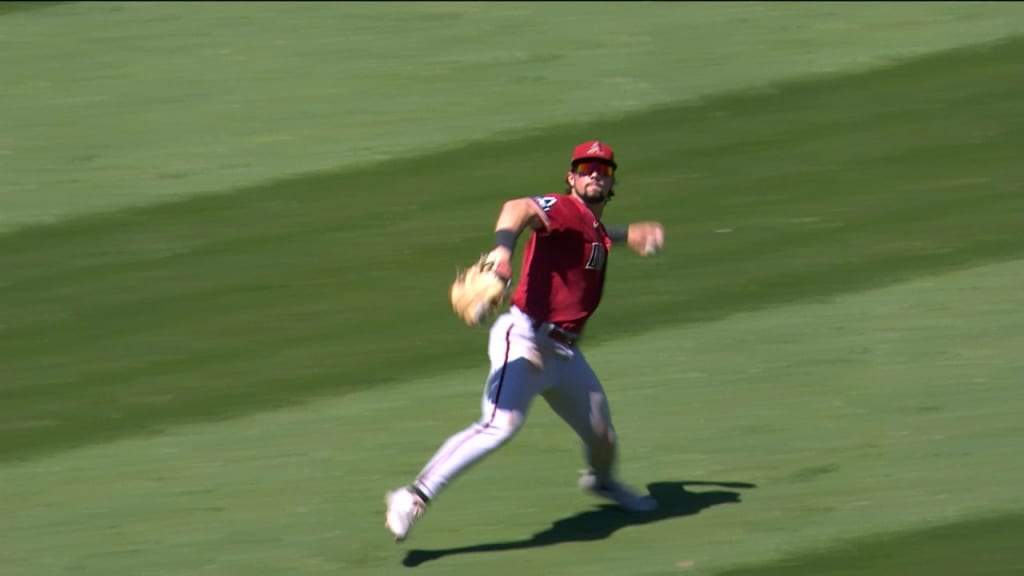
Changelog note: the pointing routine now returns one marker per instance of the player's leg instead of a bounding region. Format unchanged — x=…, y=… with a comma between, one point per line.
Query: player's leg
x=510, y=388
x=509, y=391
x=579, y=398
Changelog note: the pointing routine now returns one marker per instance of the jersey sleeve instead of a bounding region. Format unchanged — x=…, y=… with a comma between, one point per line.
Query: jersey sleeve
x=551, y=210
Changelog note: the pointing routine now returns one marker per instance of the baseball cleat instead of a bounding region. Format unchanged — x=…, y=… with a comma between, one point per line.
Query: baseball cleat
x=404, y=507
x=617, y=492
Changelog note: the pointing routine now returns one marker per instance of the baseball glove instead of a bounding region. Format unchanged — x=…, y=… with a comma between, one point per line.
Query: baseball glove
x=480, y=290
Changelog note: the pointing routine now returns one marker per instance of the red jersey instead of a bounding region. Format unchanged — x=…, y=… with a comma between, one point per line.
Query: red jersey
x=563, y=265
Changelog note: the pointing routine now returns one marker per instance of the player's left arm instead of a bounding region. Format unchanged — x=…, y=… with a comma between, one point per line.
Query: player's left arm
x=644, y=238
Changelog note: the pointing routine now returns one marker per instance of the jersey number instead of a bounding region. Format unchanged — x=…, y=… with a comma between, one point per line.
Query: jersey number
x=597, y=256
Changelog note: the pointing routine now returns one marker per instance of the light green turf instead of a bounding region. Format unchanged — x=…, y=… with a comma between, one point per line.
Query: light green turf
x=106, y=105
x=894, y=409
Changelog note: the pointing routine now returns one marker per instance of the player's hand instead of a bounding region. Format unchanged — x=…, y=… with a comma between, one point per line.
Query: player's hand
x=645, y=238
x=502, y=259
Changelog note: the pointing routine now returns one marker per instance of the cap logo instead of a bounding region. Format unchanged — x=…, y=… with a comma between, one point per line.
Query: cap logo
x=595, y=148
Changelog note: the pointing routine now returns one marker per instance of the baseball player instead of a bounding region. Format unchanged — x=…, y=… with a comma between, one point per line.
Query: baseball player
x=533, y=347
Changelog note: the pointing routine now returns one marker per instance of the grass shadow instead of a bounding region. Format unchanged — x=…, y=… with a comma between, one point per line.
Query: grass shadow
x=12, y=7
x=674, y=501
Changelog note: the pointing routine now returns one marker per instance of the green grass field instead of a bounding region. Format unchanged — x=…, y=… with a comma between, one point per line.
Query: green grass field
x=227, y=232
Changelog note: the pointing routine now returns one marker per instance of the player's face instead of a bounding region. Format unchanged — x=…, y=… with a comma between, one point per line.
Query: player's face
x=591, y=181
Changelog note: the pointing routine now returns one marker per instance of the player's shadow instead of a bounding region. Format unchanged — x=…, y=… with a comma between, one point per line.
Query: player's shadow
x=674, y=500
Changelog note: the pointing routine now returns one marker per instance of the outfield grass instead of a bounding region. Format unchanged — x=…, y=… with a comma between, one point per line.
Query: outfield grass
x=793, y=430
x=124, y=323
x=982, y=547
x=820, y=374
x=113, y=104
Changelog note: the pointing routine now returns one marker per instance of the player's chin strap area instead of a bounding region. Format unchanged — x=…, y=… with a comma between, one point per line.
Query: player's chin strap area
x=598, y=199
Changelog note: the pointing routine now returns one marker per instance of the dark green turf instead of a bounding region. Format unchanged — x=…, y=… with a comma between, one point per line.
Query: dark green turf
x=12, y=7
x=120, y=324
x=983, y=547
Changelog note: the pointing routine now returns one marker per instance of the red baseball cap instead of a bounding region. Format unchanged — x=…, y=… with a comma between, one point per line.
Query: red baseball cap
x=594, y=150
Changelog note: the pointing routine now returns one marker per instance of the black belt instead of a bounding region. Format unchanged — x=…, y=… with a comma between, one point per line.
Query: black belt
x=556, y=333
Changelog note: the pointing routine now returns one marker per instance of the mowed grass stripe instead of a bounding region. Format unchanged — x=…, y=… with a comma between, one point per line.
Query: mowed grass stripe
x=792, y=430
x=12, y=7
x=214, y=307
x=980, y=547
x=108, y=105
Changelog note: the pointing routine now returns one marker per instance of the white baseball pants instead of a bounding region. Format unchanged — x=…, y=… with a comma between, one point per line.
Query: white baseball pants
x=564, y=379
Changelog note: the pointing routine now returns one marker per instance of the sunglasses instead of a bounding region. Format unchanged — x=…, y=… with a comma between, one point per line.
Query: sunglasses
x=588, y=168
